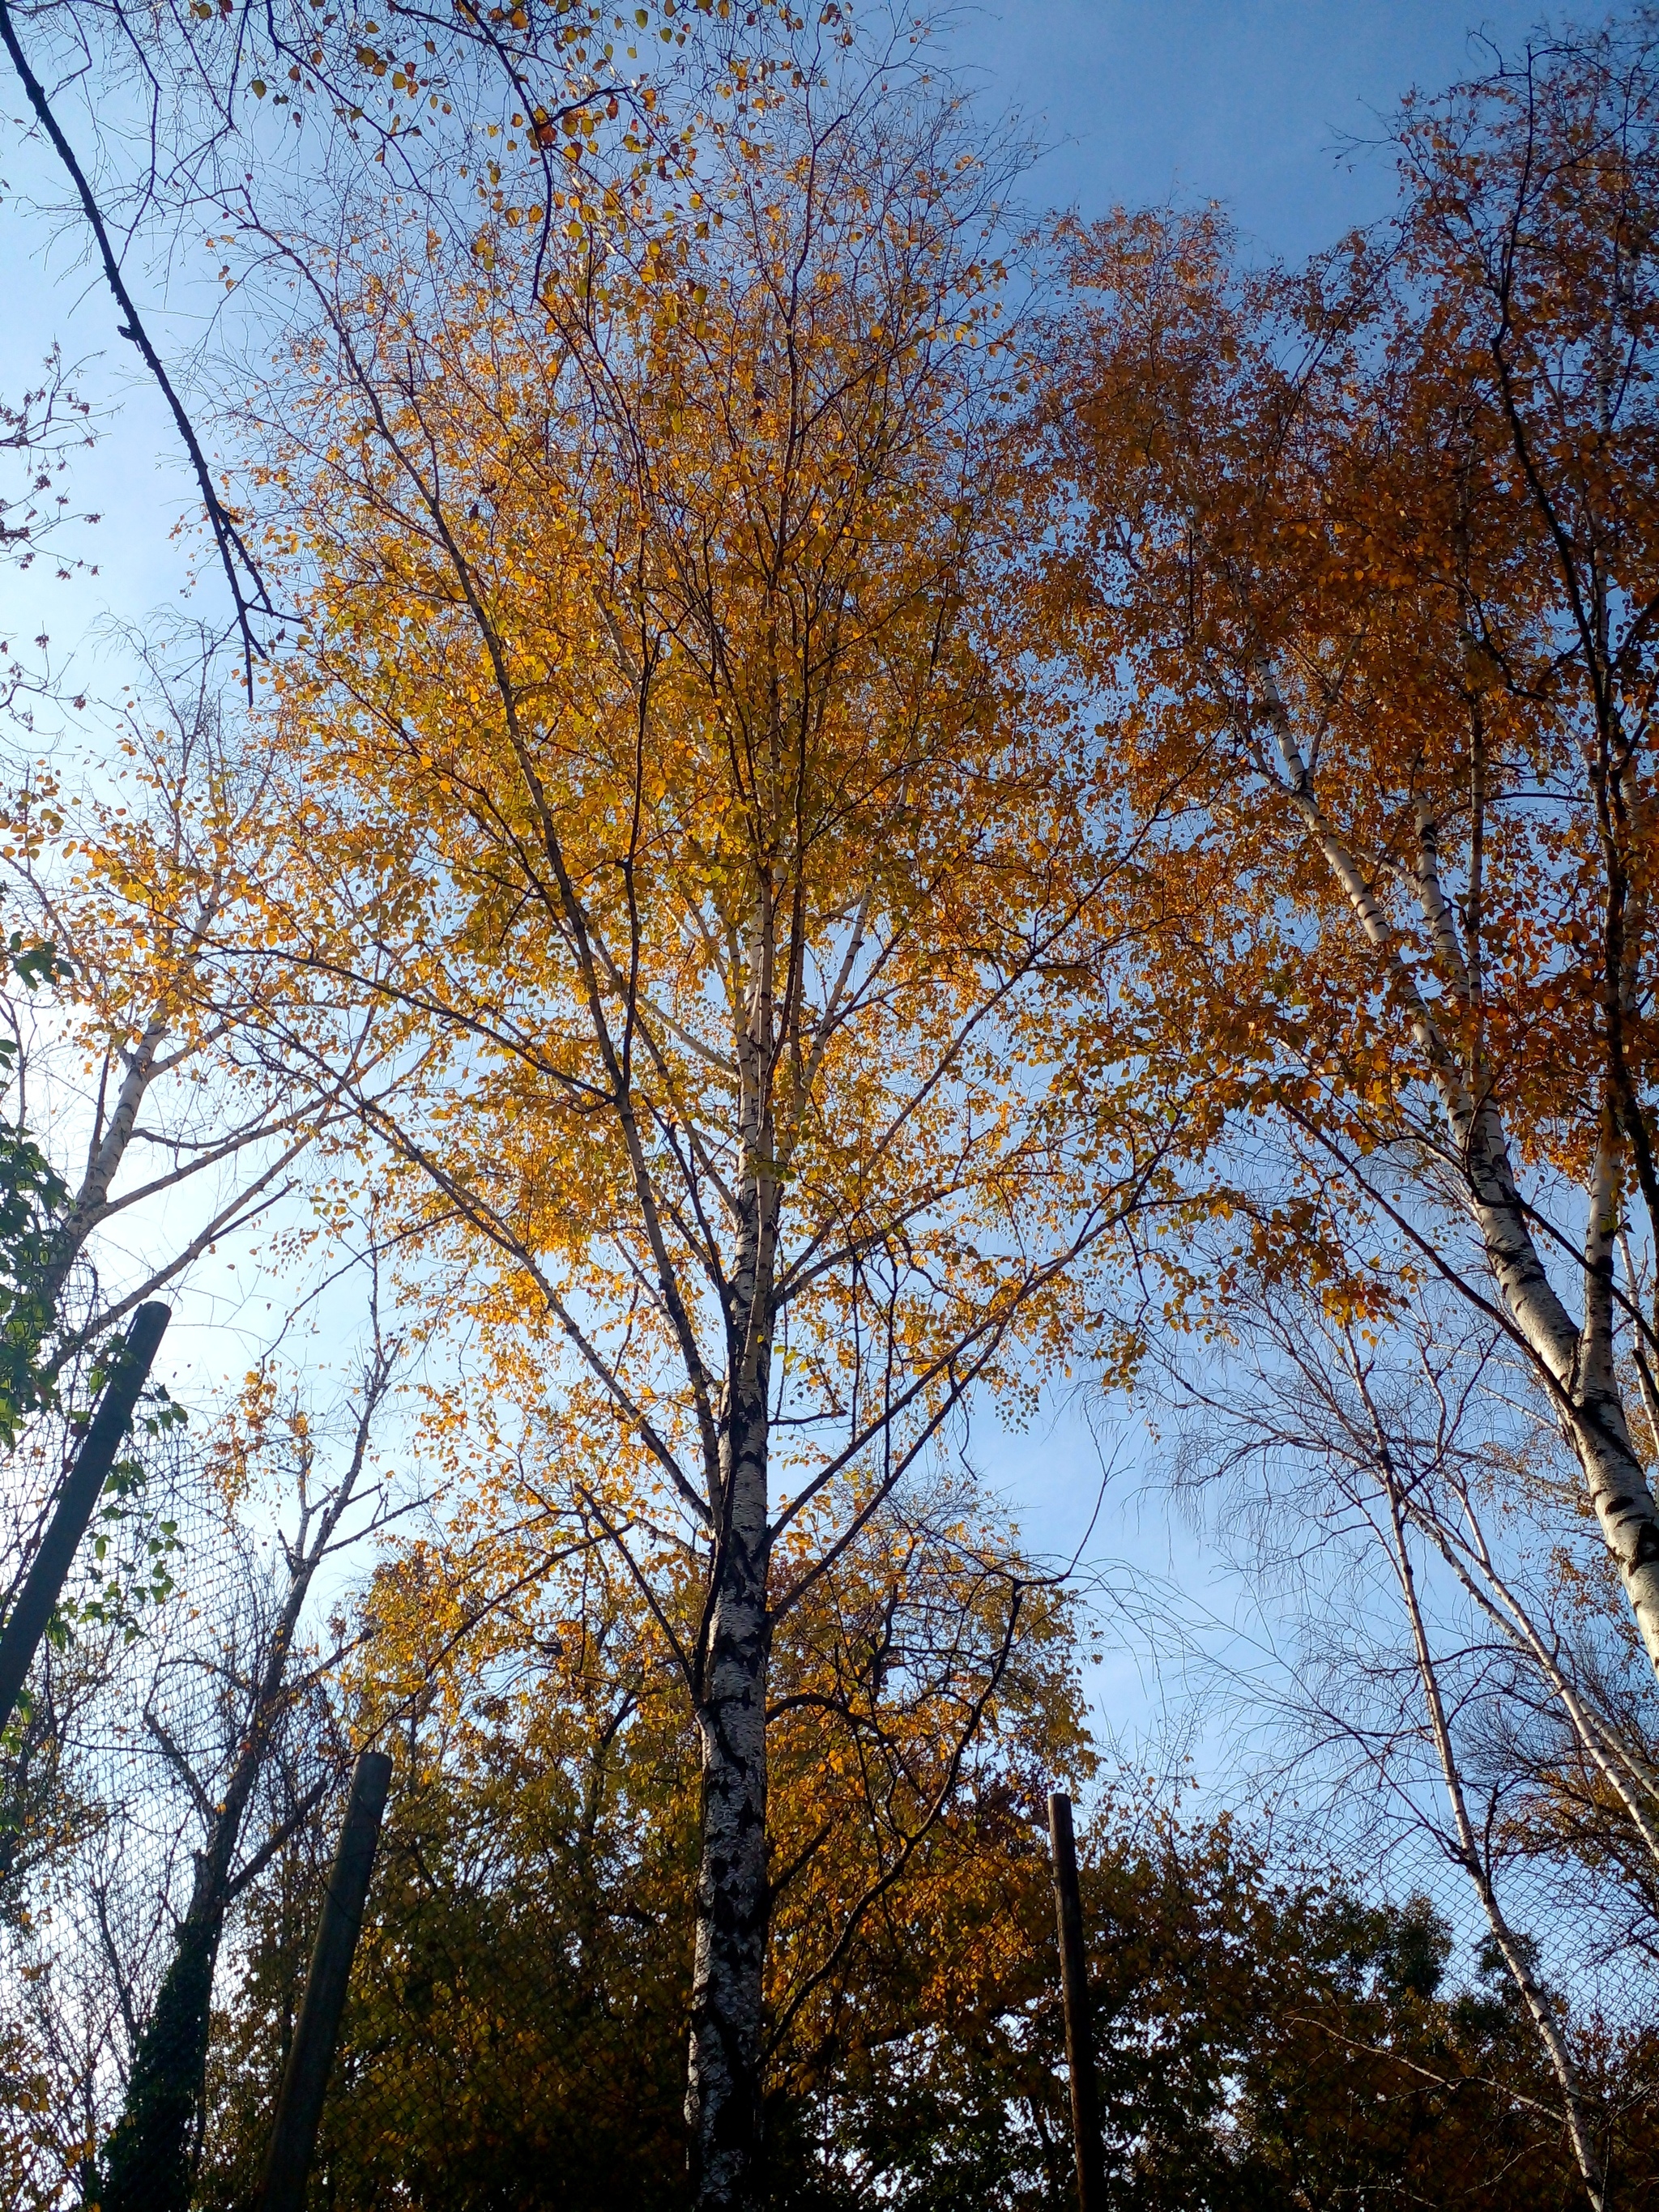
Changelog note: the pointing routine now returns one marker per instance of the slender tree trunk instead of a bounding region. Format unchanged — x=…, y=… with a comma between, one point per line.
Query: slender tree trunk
x=1511, y=1949
x=723, y=2085
x=104, y=1163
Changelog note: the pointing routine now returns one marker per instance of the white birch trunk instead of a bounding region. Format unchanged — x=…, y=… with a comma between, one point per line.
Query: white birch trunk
x=104, y=1162
x=723, y=2086
x=1578, y=1362
x=723, y=2097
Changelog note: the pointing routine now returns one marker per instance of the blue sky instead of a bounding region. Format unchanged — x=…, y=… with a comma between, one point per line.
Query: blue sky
x=1240, y=101
x=1244, y=102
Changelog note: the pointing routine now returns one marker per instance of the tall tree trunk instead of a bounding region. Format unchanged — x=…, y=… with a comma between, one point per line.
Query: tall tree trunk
x=723, y=2084
x=1589, y=1406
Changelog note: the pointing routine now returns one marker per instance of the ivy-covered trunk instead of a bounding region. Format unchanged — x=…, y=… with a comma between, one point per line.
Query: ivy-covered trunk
x=148, y=2163
x=149, y=2160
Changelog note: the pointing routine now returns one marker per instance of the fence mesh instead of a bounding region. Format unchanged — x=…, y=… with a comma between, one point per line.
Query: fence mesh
x=514, y=2033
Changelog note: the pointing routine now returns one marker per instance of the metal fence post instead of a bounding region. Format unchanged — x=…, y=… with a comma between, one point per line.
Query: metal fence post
x=27, y=1623
x=1074, y=1982
x=305, y=2078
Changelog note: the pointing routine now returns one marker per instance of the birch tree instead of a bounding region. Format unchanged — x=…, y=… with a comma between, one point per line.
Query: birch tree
x=1372, y=541
x=662, y=721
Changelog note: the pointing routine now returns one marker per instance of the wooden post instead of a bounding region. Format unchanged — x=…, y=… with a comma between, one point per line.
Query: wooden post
x=304, y=2079
x=1074, y=1982
x=27, y=1623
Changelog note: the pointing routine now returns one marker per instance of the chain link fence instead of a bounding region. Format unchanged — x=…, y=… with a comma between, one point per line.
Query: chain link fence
x=514, y=2035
